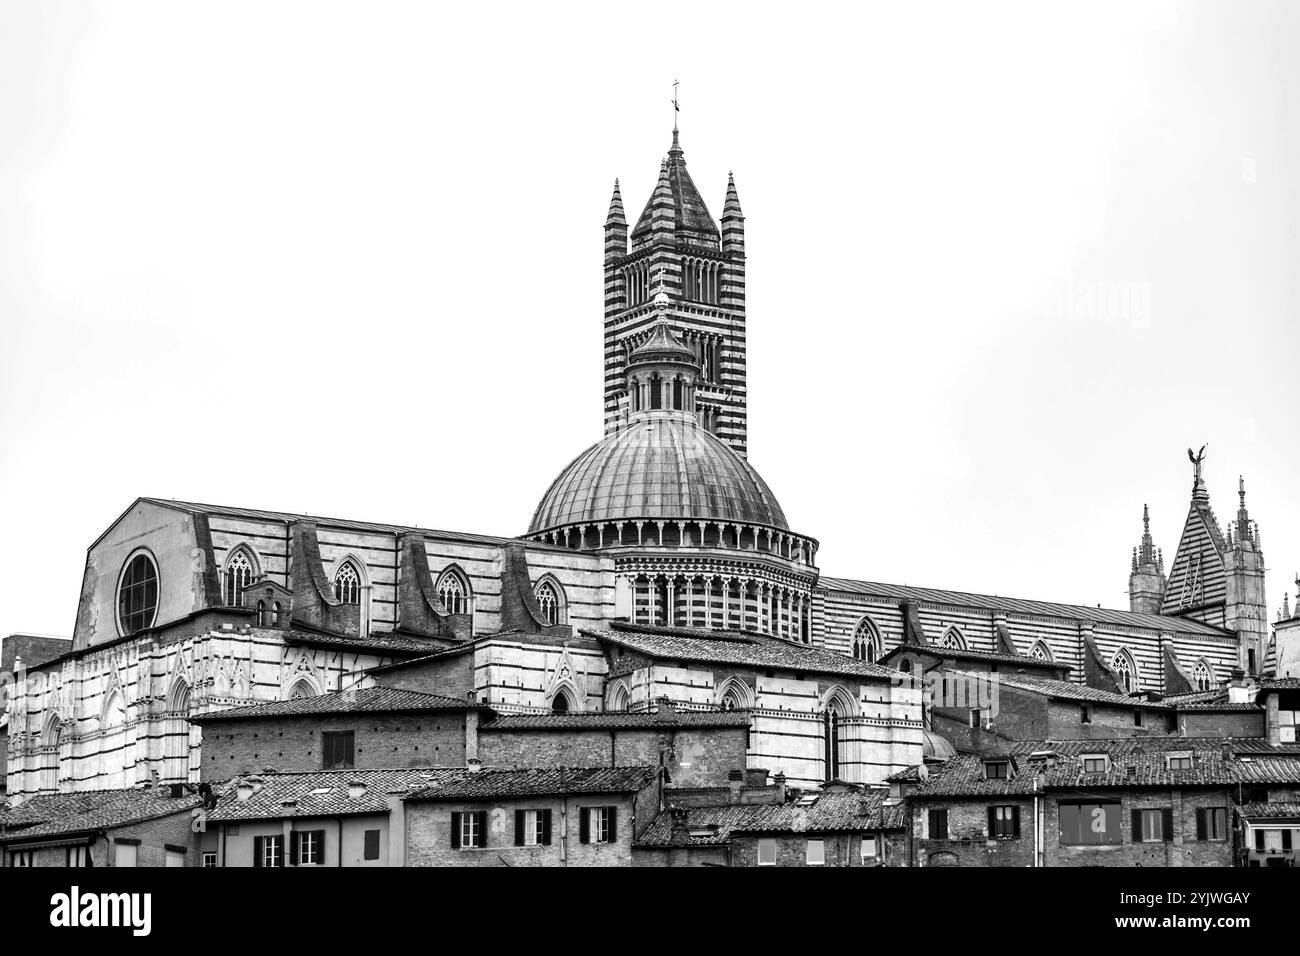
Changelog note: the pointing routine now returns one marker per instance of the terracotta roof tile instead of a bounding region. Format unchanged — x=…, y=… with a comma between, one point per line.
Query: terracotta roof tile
x=370, y=700
x=322, y=793
x=66, y=813
x=611, y=720
x=497, y=783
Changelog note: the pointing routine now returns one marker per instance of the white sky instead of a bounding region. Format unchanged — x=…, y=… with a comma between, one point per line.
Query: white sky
x=374, y=231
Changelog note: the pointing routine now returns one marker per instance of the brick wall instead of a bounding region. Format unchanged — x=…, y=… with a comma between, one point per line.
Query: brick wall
x=431, y=739
x=968, y=842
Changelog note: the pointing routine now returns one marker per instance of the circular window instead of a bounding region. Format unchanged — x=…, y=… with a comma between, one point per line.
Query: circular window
x=137, y=595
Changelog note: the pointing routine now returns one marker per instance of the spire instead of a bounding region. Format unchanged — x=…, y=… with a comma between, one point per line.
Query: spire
x=616, y=217
x=1245, y=530
x=1147, y=552
x=1146, y=582
x=676, y=204
x=733, y=222
x=1285, y=613
x=615, y=227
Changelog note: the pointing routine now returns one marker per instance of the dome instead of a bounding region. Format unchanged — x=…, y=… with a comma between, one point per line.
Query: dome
x=934, y=747
x=662, y=465
x=662, y=346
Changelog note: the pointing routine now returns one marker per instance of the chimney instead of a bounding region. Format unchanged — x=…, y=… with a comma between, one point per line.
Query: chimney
x=665, y=711
x=474, y=765
x=735, y=781
x=1241, y=687
x=1226, y=753
x=681, y=832
x=779, y=781
x=471, y=736
x=356, y=789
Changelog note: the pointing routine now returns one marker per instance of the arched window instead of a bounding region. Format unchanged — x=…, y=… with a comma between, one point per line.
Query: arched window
x=550, y=599
x=866, y=641
x=1126, y=670
x=656, y=393
x=560, y=703
x=734, y=695
x=261, y=614
x=238, y=575
x=347, y=584
x=834, y=718
x=453, y=591
x=275, y=614
x=1203, y=675
x=302, y=688
x=51, y=741
x=137, y=594
x=1042, y=652
x=678, y=400
x=953, y=640
x=618, y=696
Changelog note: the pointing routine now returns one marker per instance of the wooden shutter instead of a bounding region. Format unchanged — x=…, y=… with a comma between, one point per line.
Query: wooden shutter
x=521, y=819
x=1167, y=823
x=546, y=827
x=1137, y=826
x=259, y=844
x=1015, y=822
x=279, y=852
x=372, y=845
x=455, y=831
x=993, y=822
x=293, y=847
x=584, y=825
x=1202, y=828
x=482, y=828
x=613, y=823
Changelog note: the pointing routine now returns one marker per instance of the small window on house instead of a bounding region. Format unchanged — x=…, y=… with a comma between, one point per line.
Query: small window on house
x=816, y=853
x=268, y=851
x=337, y=749
x=469, y=830
x=77, y=856
x=1004, y=822
x=1095, y=763
x=868, y=848
x=21, y=858
x=532, y=828
x=974, y=716
x=767, y=852
x=1259, y=841
x=1211, y=823
x=599, y=825
x=371, y=849
x=938, y=824
x=208, y=859
x=1178, y=761
x=1085, y=715
x=311, y=847
x=174, y=857
x=1152, y=825
x=997, y=770
x=125, y=854
x=1137, y=718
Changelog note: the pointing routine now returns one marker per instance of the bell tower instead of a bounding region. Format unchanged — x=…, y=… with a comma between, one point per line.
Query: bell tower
x=677, y=248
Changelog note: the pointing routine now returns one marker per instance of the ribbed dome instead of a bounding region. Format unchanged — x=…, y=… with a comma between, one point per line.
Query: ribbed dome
x=661, y=466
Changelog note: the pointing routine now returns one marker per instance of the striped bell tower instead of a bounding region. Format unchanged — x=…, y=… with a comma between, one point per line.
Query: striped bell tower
x=677, y=248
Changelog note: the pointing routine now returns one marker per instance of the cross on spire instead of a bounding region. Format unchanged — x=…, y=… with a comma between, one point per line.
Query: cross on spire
x=676, y=107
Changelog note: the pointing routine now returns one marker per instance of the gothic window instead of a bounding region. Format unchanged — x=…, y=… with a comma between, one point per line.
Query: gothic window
x=137, y=594
x=275, y=614
x=453, y=591
x=656, y=394
x=866, y=641
x=1041, y=651
x=239, y=574
x=953, y=640
x=560, y=704
x=347, y=584
x=1203, y=675
x=551, y=601
x=1126, y=670
x=261, y=614
x=834, y=746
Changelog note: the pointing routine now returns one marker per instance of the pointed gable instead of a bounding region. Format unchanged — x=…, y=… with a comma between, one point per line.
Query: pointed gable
x=1197, y=579
x=675, y=196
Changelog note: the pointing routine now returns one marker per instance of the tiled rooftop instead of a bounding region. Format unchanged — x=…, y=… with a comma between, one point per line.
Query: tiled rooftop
x=993, y=657
x=370, y=700
x=620, y=720
x=993, y=602
x=1068, y=690
x=376, y=641
x=324, y=793
x=1270, y=811
x=753, y=650
x=65, y=813
x=493, y=784
x=1252, y=761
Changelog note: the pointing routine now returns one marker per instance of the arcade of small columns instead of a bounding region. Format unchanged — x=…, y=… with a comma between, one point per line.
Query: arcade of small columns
x=684, y=533
x=721, y=602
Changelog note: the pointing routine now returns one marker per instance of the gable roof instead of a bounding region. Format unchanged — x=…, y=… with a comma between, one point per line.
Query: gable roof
x=993, y=602
x=758, y=651
x=323, y=793
x=64, y=814
x=1066, y=690
x=992, y=657
x=532, y=782
x=369, y=700
x=1197, y=577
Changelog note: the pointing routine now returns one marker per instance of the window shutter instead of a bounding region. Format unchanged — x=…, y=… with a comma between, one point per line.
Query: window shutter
x=482, y=828
x=584, y=825
x=1201, y=828
x=519, y=827
x=993, y=822
x=1167, y=823
x=279, y=852
x=259, y=843
x=293, y=847
x=546, y=827
x=1015, y=821
x=1137, y=826
x=613, y=824
x=1286, y=839
x=455, y=831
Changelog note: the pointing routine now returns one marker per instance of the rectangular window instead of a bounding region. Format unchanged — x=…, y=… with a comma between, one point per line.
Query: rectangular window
x=1089, y=823
x=21, y=858
x=1211, y=823
x=209, y=859
x=997, y=770
x=1286, y=839
x=125, y=854
x=974, y=716
x=336, y=749
x=174, y=858
x=76, y=856
x=532, y=828
x=1085, y=716
x=599, y=825
x=1004, y=822
x=1259, y=840
x=311, y=848
x=268, y=851
x=816, y=852
x=938, y=821
x=868, y=849
x=1180, y=762
x=767, y=852
x=1094, y=763
x=1137, y=718
x=470, y=834
x=372, y=845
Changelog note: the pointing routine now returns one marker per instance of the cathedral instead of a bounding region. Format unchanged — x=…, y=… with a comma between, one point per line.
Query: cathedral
x=658, y=564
